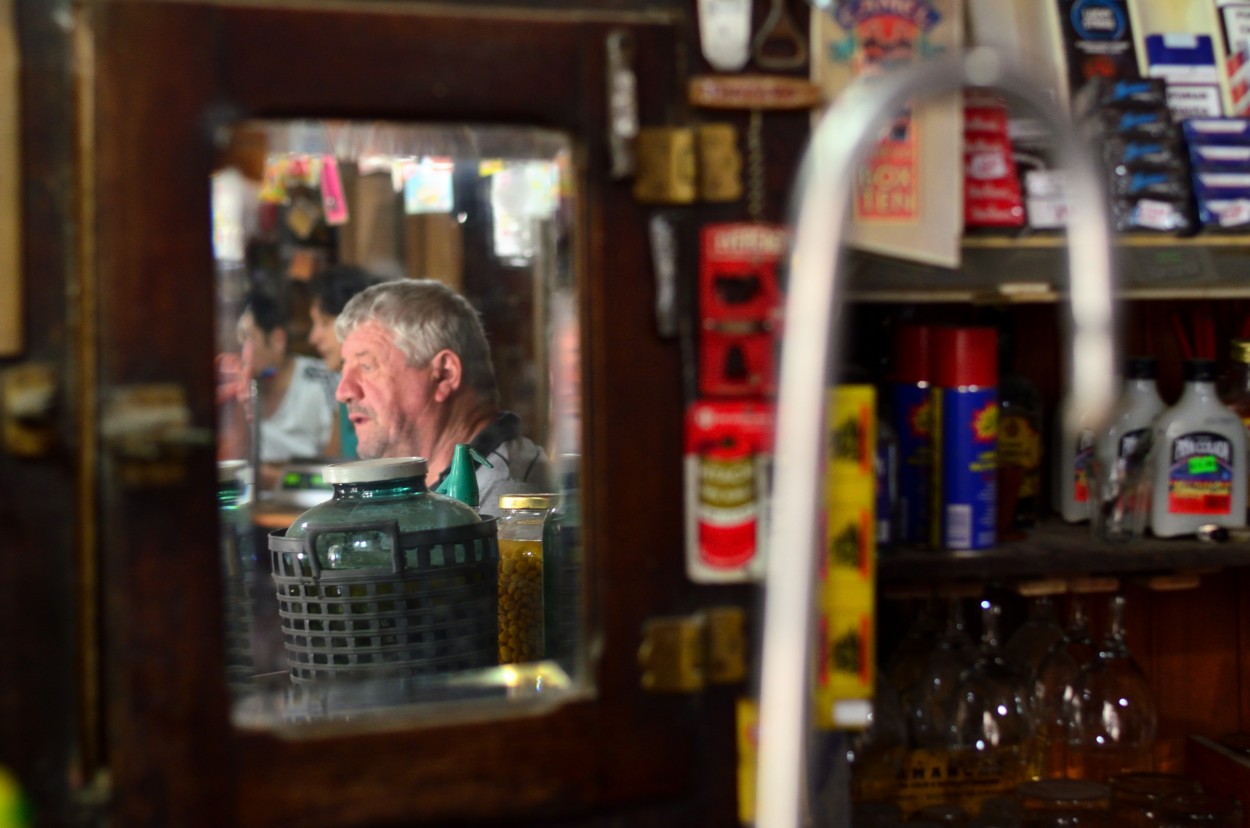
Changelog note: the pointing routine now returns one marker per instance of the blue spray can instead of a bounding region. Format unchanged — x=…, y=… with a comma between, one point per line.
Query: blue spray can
x=965, y=445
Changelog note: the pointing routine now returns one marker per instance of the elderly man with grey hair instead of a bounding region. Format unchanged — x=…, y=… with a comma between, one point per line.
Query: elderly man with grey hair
x=418, y=380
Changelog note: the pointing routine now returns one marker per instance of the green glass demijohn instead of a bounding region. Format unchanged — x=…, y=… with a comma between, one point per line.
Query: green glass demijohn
x=369, y=497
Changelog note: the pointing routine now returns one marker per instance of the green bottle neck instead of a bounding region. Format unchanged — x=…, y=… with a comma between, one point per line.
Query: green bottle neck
x=380, y=489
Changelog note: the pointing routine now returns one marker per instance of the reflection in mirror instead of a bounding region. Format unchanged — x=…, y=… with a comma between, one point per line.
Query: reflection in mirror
x=356, y=586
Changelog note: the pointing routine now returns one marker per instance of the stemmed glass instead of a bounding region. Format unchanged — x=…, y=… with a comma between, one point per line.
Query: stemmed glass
x=908, y=659
x=877, y=754
x=928, y=702
x=1113, y=717
x=1053, y=686
x=990, y=727
x=1030, y=643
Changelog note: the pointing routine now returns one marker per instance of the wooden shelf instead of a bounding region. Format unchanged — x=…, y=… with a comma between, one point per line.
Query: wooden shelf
x=1058, y=551
x=1002, y=270
x=1047, y=240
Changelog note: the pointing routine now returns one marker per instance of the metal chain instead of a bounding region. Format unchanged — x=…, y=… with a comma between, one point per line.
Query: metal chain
x=755, y=166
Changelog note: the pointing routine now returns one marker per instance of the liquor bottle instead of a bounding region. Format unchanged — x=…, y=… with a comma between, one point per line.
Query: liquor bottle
x=1019, y=448
x=1236, y=392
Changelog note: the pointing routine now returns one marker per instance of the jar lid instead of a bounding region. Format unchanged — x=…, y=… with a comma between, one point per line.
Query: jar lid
x=527, y=501
x=1240, y=350
x=382, y=468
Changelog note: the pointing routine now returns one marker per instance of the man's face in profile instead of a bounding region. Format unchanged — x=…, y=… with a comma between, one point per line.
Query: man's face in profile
x=389, y=402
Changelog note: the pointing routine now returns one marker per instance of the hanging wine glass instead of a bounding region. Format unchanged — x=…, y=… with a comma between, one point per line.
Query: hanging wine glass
x=1030, y=643
x=1212, y=810
x=928, y=703
x=1113, y=717
x=990, y=728
x=907, y=659
x=1052, y=689
x=1135, y=796
x=877, y=754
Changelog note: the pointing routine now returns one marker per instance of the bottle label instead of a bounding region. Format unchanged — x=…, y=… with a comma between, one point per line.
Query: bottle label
x=967, y=778
x=727, y=451
x=913, y=423
x=1130, y=442
x=1200, y=476
x=727, y=509
x=1020, y=447
x=1081, y=465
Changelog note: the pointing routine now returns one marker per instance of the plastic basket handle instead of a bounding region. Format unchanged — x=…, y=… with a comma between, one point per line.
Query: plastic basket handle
x=389, y=527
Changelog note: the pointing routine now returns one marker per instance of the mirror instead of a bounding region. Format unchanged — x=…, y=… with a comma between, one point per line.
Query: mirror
x=299, y=210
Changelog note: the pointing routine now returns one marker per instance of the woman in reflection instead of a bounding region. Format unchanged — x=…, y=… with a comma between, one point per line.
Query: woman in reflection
x=329, y=289
x=295, y=394
x=418, y=379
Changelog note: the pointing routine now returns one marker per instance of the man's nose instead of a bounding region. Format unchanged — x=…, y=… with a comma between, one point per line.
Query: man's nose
x=347, y=389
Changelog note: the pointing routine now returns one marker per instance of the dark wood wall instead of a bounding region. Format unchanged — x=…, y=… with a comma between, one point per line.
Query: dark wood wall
x=1190, y=643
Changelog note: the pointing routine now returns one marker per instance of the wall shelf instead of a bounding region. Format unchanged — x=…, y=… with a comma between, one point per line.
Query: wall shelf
x=998, y=270
x=1056, y=551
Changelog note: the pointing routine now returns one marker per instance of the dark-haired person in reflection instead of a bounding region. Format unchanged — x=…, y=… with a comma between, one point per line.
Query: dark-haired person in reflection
x=329, y=290
x=295, y=394
x=418, y=379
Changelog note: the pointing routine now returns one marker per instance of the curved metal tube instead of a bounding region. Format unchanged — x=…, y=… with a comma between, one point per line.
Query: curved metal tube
x=840, y=143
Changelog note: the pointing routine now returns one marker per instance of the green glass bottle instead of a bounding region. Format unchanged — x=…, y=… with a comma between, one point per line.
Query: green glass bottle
x=461, y=480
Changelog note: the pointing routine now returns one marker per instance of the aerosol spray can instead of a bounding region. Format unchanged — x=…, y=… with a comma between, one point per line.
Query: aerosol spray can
x=965, y=429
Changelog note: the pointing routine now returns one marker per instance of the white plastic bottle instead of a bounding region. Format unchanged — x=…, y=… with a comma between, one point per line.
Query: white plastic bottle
x=1123, y=475
x=1072, y=459
x=1135, y=411
x=1200, y=459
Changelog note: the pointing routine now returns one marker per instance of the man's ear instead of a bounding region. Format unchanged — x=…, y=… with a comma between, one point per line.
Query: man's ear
x=277, y=339
x=447, y=373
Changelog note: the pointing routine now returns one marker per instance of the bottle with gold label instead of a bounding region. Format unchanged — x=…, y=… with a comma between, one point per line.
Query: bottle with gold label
x=1236, y=391
x=521, y=576
x=1019, y=449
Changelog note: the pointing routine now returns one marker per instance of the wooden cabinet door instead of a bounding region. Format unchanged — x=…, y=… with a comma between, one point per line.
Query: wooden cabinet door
x=160, y=79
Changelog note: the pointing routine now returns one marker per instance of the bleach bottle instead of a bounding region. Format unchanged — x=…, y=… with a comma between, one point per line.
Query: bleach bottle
x=1200, y=459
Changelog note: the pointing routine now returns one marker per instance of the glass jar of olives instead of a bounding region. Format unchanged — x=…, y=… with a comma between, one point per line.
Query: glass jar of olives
x=521, y=576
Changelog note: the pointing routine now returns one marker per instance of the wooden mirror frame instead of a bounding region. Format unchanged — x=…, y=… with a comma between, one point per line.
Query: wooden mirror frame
x=158, y=79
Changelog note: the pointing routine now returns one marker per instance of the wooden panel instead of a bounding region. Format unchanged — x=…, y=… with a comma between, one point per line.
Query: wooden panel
x=1191, y=656
x=10, y=189
x=224, y=63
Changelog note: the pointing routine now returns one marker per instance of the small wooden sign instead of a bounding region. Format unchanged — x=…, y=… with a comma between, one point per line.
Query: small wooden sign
x=754, y=92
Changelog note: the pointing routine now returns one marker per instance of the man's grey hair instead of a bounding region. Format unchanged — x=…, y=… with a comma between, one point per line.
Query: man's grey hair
x=425, y=317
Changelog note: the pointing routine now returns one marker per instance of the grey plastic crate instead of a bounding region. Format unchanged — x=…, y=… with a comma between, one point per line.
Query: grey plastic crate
x=434, y=611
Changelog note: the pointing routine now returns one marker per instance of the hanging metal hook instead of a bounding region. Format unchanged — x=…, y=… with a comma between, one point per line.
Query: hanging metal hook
x=779, y=44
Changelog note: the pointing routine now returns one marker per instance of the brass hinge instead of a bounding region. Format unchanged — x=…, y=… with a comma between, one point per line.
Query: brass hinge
x=148, y=430
x=684, y=654
x=28, y=396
